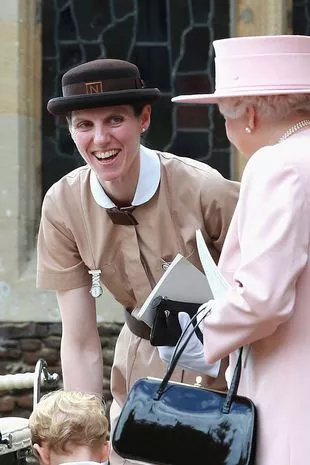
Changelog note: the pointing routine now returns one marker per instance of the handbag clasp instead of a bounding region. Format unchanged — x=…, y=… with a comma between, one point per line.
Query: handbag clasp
x=198, y=382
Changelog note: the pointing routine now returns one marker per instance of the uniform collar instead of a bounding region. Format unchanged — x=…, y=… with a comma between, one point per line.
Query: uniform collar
x=148, y=181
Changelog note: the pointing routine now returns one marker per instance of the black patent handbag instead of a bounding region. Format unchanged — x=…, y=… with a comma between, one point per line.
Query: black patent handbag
x=167, y=423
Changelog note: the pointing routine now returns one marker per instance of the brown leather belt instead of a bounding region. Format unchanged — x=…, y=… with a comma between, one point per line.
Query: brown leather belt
x=137, y=327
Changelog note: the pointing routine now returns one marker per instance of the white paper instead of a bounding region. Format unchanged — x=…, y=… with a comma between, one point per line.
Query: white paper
x=182, y=282
x=218, y=284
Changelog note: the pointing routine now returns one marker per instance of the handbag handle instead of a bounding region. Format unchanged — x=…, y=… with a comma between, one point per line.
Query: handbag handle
x=233, y=388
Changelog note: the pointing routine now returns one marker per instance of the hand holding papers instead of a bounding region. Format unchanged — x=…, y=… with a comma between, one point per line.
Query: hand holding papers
x=184, y=282
x=217, y=282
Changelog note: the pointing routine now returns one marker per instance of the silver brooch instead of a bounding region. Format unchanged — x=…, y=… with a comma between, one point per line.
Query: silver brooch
x=96, y=288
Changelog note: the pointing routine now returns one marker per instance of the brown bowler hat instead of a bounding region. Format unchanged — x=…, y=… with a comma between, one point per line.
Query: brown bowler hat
x=101, y=83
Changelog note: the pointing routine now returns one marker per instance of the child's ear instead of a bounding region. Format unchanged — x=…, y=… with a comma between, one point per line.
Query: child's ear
x=105, y=451
x=43, y=453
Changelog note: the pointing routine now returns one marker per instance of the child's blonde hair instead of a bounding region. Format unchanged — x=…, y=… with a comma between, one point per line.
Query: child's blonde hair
x=64, y=419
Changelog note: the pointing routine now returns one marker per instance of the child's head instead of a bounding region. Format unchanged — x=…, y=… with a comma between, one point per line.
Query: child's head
x=69, y=424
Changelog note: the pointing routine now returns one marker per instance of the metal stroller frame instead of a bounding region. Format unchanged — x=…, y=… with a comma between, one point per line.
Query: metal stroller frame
x=40, y=377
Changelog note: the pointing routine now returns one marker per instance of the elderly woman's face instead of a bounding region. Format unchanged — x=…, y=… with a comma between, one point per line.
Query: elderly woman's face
x=108, y=138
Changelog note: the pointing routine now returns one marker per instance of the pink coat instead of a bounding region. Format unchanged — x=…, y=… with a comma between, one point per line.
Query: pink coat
x=266, y=259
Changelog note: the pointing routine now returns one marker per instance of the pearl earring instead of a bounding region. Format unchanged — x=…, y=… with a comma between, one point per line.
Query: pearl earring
x=143, y=129
x=248, y=130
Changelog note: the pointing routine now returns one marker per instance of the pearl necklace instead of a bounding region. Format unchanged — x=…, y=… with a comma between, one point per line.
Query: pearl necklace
x=301, y=124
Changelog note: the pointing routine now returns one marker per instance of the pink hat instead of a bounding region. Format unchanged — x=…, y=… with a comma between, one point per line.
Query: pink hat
x=262, y=65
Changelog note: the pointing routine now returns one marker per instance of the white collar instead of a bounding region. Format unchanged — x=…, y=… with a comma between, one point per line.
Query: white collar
x=148, y=181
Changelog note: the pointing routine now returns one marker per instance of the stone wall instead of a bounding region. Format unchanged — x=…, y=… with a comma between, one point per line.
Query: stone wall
x=22, y=344
x=20, y=134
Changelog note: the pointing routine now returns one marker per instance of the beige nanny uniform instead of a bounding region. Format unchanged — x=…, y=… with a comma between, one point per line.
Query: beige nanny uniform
x=79, y=232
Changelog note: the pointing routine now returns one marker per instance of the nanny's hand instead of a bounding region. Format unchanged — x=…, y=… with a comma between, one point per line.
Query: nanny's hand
x=193, y=356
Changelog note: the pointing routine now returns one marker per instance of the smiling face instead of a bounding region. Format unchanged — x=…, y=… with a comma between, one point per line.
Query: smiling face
x=108, y=139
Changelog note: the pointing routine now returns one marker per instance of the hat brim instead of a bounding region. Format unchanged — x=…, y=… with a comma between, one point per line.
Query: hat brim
x=62, y=105
x=217, y=97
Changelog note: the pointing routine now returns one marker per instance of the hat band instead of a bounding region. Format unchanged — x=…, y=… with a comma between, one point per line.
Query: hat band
x=99, y=87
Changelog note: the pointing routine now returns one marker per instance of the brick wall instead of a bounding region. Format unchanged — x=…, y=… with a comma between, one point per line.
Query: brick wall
x=22, y=344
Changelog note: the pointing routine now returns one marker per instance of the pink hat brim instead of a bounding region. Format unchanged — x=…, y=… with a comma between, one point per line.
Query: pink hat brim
x=216, y=97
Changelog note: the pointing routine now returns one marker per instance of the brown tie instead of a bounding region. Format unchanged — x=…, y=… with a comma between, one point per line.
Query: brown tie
x=122, y=215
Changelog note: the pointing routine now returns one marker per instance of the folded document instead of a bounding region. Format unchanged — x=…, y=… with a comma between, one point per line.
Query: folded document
x=183, y=282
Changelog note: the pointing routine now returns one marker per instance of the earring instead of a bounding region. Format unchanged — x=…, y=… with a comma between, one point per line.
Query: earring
x=143, y=129
x=248, y=130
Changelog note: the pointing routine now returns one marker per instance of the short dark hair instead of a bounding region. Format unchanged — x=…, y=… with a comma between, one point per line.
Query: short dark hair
x=138, y=107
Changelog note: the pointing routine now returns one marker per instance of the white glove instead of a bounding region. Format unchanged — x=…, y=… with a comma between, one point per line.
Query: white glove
x=193, y=356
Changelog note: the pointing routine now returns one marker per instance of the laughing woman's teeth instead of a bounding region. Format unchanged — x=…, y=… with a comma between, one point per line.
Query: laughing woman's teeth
x=105, y=155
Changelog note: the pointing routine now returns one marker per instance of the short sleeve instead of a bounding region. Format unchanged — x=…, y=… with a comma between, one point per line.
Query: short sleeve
x=59, y=264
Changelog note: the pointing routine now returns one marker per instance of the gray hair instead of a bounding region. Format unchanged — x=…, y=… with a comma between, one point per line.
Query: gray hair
x=276, y=106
